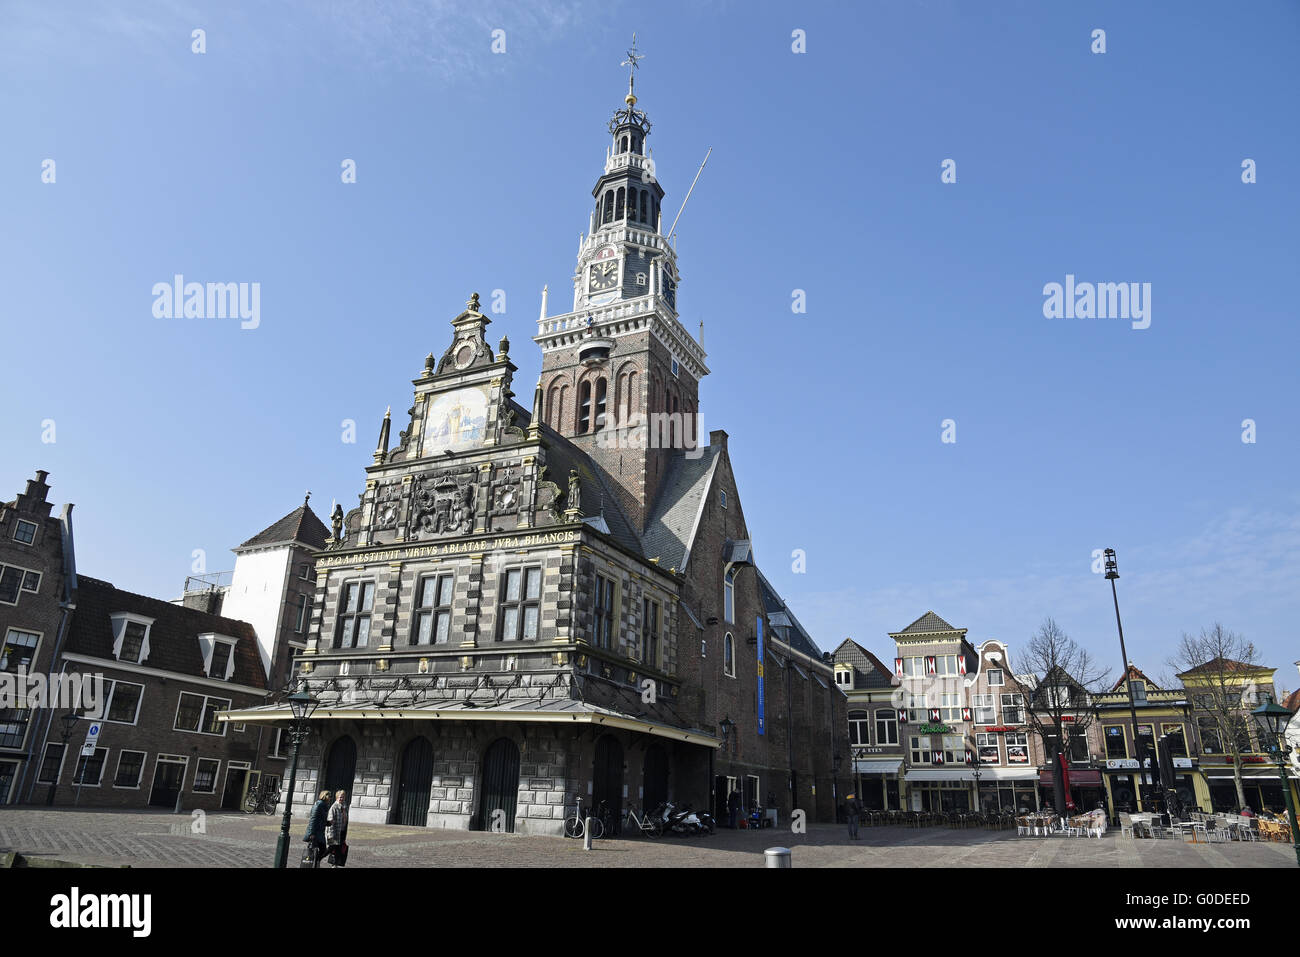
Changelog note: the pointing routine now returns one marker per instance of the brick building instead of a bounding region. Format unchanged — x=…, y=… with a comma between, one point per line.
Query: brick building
x=532, y=605
x=168, y=670
x=36, y=579
x=873, y=721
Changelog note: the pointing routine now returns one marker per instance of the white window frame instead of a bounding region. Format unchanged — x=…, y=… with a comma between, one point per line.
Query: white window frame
x=984, y=709
x=1000, y=676
x=102, y=764
x=39, y=636
x=120, y=620
x=918, y=708
x=987, y=739
x=1021, y=739
x=954, y=749
x=216, y=776
x=866, y=719
x=144, y=760
x=182, y=759
x=722, y=497
x=108, y=702
x=208, y=642
x=35, y=529
x=891, y=722
x=675, y=367
x=1013, y=701
x=22, y=582
x=202, y=711
x=950, y=707
x=919, y=744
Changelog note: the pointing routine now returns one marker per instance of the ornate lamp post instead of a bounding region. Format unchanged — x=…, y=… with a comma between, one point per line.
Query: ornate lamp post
x=69, y=722
x=303, y=706
x=1112, y=573
x=1272, y=720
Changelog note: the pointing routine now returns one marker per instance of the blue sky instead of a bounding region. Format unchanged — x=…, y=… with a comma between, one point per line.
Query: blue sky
x=924, y=299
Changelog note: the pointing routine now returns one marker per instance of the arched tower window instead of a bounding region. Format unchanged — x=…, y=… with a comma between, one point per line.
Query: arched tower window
x=608, y=215
x=622, y=145
x=600, y=404
x=645, y=209
x=729, y=597
x=618, y=205
x=584, y=406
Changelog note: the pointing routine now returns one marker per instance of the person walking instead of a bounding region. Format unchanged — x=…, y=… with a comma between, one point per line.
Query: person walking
x=336, y=830
x=315, y=836
x=854, y=810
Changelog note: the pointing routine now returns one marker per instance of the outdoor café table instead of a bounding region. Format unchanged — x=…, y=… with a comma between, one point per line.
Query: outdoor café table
x=1184, y=826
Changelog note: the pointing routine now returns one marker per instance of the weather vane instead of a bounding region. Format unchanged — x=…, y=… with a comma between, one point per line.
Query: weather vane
x=632, y=57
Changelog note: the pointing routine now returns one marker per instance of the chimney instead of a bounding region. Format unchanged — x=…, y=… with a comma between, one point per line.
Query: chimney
x=719, y=438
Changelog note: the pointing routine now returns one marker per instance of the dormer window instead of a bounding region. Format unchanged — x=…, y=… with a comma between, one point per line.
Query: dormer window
x=218, y=656
x=25, y=532
x=221, y=657
x=1139, y=691
x=131, y=637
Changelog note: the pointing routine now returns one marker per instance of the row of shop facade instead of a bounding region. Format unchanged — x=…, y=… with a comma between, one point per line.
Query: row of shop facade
x=948, y=728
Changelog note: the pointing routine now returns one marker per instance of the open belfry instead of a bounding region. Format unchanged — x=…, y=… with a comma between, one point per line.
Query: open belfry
x=536, y=603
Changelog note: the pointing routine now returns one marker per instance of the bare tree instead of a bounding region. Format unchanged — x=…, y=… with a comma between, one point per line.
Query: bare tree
x=1061, y=707
x=1217, y=667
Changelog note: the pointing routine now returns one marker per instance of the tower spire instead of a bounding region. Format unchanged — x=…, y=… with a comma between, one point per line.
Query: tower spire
x=631, y=64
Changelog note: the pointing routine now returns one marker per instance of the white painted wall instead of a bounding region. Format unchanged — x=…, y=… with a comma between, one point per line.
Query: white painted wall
x=257, y=593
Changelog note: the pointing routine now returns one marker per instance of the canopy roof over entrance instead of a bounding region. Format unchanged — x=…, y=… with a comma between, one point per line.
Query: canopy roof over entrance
x=546, y=710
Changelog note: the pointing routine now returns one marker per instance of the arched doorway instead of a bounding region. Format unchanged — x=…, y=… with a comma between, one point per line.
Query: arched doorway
x=654, y=780
x=340, y=766
x=500, y=786
x=413, y=787
x=607, y=779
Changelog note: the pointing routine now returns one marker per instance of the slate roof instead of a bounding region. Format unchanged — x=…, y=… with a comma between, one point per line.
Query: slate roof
x=868, y=670
x=669, y=532
x=173, y=637
x=301, y=525
x=1292, y=703
x=926, y=624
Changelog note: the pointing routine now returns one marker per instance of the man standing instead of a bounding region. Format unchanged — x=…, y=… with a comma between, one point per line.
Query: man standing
x=733, y=808
x=853, y=809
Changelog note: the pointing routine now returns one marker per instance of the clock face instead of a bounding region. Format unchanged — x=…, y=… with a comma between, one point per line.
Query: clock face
x=464, y=356
x=603, y=275
x=456, y=420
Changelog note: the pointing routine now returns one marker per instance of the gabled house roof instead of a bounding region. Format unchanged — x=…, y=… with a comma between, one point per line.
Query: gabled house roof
x=783, y=622
x=301, y=526
x=1134, y=674
x=927, y=624
x=173, y=636
x=868, y=670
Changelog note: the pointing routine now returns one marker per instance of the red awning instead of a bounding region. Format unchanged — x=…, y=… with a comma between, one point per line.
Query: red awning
x=1079, y=778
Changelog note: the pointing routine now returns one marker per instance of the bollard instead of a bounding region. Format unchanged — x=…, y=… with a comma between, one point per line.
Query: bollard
x=586, y=834
x=777, y=856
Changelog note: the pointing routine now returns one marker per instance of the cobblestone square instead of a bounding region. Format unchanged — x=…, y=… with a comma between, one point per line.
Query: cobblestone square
x=161, y=839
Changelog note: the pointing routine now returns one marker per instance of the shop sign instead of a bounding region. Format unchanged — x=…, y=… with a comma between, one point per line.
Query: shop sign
x=935, y=729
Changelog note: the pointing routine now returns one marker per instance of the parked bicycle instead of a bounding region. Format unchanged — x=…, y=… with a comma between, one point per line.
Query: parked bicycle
x=649, y=825
x=574, y=826
x=262, y=798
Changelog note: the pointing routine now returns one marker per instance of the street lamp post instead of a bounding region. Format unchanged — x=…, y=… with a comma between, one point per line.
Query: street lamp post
x=69, y=722
x=1272, y=719
x=1112, y=573
x=303, y=706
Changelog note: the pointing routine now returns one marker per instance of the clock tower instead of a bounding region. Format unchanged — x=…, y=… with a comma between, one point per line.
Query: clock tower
x=620, y=373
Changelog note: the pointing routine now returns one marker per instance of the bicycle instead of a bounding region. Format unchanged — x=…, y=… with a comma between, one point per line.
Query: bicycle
x=648, y=825
x=574, y=826
x=262, y=799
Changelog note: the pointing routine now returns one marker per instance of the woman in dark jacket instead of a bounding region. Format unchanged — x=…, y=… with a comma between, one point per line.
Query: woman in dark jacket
x=315, y=836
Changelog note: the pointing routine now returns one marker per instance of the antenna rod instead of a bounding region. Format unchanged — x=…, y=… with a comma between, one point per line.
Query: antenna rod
x=689, y=191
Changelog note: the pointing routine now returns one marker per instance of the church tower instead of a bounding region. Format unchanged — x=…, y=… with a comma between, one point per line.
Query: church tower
x=620, y=373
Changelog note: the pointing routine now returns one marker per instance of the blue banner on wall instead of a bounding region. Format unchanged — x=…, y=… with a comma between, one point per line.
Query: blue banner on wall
x=762, y=722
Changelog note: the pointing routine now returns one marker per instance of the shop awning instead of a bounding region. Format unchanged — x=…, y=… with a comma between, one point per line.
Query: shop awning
x=877, y=766
x=1226, y=773
x=941, y=774
x=1008, y=774
x=1082, y=778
